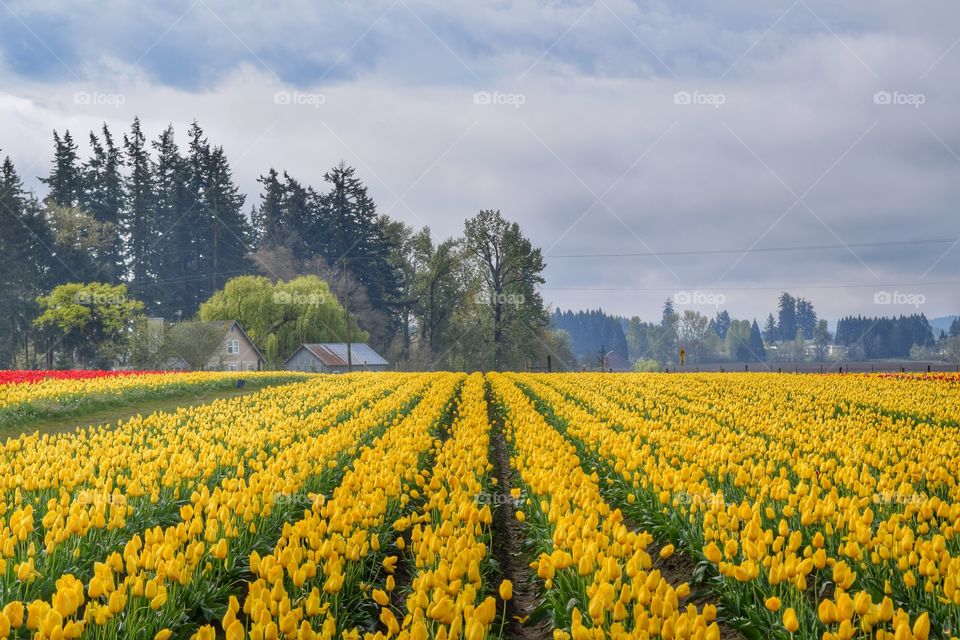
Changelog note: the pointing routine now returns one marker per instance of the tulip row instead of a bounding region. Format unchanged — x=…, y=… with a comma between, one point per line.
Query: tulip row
x=595, y=569
x=782, y=511
x=113, y=484
x=34, y=375
x=23, y=402
x=329, y=572
x=173, y=576
x=450, y=537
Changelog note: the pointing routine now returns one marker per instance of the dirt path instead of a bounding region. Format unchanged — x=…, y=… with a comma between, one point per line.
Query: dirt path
x=110, y=415
x=508, y=538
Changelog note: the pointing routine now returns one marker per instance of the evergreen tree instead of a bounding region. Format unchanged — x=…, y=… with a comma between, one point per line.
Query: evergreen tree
x=787, y=317
x=668, y=341
x=140, y=229
x=269, y=219
x=590, y=331
x=347, y=229
x=103, y=198
x=229, y=237
x=300, y=209
x=25, y=248
x=172, y=257
x=884, y=337
x=757, y=351
x=770, y=329
x=806, y=317
x=65, y=181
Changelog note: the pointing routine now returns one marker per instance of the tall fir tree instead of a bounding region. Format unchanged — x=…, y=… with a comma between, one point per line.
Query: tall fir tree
x=269, y=219
x=65, y=182
x=229, y=236
x=786, y=317
x=174, y=255
x=139, y=225
x=26, y=246
x=757, y=351
x=104, y=198
x=347, y=229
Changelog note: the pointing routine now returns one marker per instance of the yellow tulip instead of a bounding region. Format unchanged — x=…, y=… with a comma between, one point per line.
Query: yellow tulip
x=790, y=620
x=921, y=626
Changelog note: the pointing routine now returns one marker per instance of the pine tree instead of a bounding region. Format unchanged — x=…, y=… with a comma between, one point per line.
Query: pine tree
x=270, y=228
x=787, y=317
x=806, y=317
x=229, y=235
x=668, y=341
x=770, y=329
x=173, y=257
x=139, y=225
x=347, y=228
x=25, y=248
x=103, y=198
x=66, y=179
x=757, y=350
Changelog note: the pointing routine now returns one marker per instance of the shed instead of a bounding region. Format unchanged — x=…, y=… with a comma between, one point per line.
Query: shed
x=331, y=357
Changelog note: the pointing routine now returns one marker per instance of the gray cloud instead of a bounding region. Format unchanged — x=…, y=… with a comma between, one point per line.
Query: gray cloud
x=599, y=116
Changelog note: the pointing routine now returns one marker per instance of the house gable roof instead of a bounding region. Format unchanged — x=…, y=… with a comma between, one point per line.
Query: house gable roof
x=252, y=343
x=226, y=325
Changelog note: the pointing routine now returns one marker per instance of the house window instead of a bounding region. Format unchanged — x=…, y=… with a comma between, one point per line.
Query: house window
x=233, y=347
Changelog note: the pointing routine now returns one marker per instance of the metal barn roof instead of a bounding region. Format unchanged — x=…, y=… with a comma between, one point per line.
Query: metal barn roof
x=334, y=354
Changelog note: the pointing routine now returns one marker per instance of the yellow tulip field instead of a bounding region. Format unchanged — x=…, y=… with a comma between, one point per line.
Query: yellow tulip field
x=451, y=506
x=46, y=397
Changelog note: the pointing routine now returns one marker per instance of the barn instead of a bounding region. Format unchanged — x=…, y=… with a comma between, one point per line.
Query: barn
x=331, y=357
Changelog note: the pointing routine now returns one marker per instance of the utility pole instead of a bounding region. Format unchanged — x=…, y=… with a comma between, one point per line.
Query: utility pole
x=346, y=315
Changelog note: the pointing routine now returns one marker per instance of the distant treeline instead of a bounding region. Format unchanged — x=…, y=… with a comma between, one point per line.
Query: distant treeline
x=793, y=334
x=884, y=337
x=169, y=223
x=592, y=332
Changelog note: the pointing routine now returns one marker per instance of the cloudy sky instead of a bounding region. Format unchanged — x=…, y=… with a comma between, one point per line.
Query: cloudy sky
x=643, y=145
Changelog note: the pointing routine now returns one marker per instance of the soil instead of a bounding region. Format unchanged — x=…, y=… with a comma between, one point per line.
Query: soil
x=508, y=537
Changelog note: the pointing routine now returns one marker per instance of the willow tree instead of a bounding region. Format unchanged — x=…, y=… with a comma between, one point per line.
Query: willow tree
x=280, y=316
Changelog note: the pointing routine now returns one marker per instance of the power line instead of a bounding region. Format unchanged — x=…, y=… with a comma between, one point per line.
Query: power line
x=809, y=247
x=869, y=285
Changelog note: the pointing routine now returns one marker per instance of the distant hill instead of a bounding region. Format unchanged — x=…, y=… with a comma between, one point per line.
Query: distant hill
x=942, y=323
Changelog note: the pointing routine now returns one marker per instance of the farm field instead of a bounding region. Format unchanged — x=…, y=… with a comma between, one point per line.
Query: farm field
x=38, y=398
x=501, y=505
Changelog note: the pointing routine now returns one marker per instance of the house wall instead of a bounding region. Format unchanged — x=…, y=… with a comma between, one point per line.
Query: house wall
x=246, y=360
